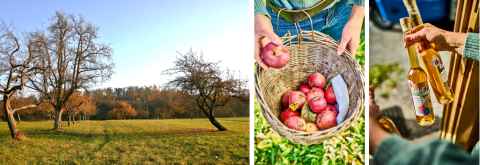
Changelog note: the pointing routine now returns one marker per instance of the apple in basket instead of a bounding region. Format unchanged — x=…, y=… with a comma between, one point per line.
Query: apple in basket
x=275, y=56
x=296, y=100
x=305, y=89
x=288, y=113
x=314, y=93
x=332, y=108
x=295, y=122
x=326, y=120
x=330, y=95
x=318, y=104
x=286, y=98
x=311, y=127
x=317, y=80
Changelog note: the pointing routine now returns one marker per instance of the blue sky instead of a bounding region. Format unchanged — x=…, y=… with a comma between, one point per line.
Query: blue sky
x=145, y=35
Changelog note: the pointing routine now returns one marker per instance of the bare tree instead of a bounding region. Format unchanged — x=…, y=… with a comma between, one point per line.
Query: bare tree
x=204, y=80
x=73, y=58
x=16, y=65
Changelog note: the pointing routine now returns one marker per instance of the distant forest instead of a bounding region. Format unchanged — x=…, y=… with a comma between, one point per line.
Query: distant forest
x=131, y=102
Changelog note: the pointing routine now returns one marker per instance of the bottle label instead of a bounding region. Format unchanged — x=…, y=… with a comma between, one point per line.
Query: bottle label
x=443, y=72
x=421, y=98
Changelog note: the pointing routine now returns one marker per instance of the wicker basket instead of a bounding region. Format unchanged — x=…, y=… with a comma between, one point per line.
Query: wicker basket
x=307, y=58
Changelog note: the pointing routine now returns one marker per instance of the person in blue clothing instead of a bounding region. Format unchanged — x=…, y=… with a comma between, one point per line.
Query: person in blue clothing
x=340, y=19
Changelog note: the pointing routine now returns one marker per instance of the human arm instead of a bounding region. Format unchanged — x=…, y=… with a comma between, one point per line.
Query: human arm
x=263, y=34
x=471, y=49
x=466, y=45
x=395, y=150
x=356, y=2
x=392, y=149
x=351, y=31
x=259, y=8
x=377, y=134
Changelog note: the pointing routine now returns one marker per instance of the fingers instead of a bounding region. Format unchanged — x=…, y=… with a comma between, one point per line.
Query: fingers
x=374, y=112
x=371, y=93
x=418, y=28
x=343, y=43
x=415, y=37
x=273, y=37
x=258, y=56
x=421, y=47
x=352, y=48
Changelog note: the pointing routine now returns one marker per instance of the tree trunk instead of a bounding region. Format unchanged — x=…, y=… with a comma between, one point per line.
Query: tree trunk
x=216, y=123
x=18, y=115
x=11, y=121
x=58, y=120
x=69, y=119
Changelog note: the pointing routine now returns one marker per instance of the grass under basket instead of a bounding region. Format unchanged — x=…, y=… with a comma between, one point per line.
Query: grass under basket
x=270, y=148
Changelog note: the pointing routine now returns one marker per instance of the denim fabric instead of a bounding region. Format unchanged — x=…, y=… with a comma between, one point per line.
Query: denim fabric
x=330, y=21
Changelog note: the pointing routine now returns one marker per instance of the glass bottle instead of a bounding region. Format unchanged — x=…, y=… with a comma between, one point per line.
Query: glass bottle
x=388, y=125
x=417, y=81
x=431, y=60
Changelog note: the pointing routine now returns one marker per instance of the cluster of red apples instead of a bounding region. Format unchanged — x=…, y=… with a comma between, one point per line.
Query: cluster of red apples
x=319, y=102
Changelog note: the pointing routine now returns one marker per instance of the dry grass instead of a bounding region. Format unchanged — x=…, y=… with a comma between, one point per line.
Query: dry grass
x=176, y=141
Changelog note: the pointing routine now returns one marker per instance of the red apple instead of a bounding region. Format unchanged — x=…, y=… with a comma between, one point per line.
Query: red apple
x=318, y=104
x=317, y=80
x=297, y=100
x=326, y=120
x=288, y=113
x=295, y=122
x=275, y=56
x=314, y=93
x=332, y=108
x=311, y=127
x=330, y=95
x=305, y=89
x=286, y=97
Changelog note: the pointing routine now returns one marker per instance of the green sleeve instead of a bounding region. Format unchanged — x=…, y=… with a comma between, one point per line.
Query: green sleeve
x=356, y=2
x=472, y=46
x=259, y=8
x=395, y=150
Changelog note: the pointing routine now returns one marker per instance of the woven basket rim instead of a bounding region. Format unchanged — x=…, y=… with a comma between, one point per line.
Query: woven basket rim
x=267, y=112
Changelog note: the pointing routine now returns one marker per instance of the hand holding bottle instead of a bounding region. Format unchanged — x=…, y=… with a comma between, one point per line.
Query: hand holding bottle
x=443, y=40
x=377, y=134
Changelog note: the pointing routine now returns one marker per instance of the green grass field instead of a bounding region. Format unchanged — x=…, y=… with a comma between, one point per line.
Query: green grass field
x=173, y=141
x=347, y=147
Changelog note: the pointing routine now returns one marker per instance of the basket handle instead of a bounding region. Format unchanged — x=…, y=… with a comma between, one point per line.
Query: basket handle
x=296, y=23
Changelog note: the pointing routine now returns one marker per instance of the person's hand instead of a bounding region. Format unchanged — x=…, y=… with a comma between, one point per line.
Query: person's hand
x=442, y=40
x=373, y=107
x=376, y=134
x=351, y=31
x=263, y=34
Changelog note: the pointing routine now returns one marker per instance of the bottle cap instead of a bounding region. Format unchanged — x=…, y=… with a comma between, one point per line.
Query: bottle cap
x=406, y=24
x=411, y=5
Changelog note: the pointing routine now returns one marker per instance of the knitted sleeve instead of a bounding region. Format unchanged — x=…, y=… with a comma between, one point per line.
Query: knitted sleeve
x=259, y=8
x=472, y=46
x=395, y=150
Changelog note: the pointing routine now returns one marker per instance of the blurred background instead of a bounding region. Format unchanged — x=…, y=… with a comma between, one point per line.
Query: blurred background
x=389, y=62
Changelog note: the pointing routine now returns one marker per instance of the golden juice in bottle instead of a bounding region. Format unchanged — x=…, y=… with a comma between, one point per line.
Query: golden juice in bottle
x=431, y=60
x=388, y=125
x=418, y=84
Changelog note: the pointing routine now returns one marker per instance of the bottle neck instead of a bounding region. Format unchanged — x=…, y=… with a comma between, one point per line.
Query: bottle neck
x=417, y=21
x=412, y=55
